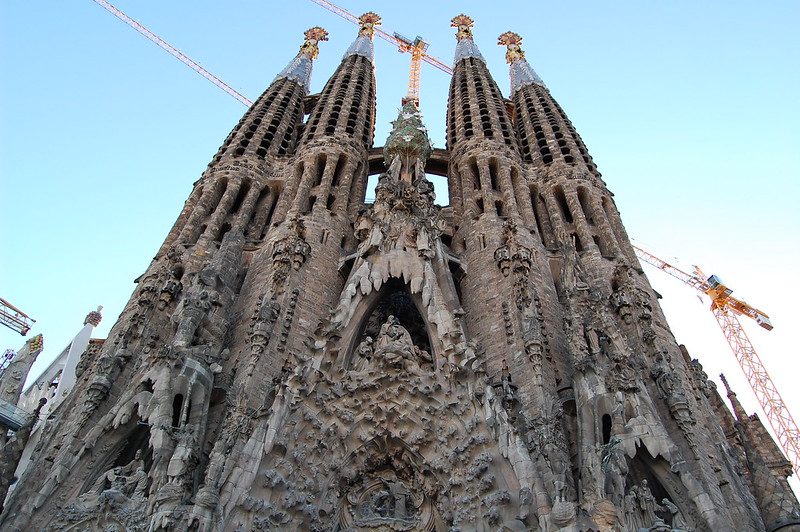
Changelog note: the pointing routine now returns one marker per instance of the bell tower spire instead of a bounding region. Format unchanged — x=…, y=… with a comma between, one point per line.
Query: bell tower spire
x=330, y=170
x=482, y=180
x=571, y=204
x=234, y=192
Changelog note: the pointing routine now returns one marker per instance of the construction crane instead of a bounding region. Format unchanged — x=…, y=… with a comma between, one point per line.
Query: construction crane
x=14, y=318
x=726, y=310
x=416, y=47
x=173, y=51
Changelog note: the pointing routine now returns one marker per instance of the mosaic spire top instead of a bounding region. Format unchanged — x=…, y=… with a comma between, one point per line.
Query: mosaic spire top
x=466, y=47
x=363, y=44
x=299, y=68
x=522, y=74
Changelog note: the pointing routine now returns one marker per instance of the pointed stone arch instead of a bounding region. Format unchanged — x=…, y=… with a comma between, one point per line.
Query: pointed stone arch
x=663, y=482
x=393, y=299
x=126, y=454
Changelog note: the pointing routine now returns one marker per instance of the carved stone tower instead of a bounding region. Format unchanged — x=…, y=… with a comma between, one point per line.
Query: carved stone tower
x=297, y=359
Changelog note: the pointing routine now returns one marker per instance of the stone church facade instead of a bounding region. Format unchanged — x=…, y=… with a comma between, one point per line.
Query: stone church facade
x=297, y=359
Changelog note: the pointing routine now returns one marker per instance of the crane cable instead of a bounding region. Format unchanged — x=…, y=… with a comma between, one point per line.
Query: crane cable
x=173, y=51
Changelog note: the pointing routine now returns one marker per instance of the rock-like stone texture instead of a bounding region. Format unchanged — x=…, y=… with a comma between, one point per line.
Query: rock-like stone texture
x=296, y=359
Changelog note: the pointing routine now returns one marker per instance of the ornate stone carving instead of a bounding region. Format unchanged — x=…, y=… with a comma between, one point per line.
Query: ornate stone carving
x=615, y=468
x=106, y=370
x=670, y=388
x=701, y=380
x=289, y=253
x=94, y=317
x=262, y=323
x=288, y=316
x=508, y=323
x=384, y=502
x=362, y=356
x=513, y=257
x=109, y=511
x=622, y=377
x=129, y=480
x=394, y=349
x=184, y=459
x=169, y=290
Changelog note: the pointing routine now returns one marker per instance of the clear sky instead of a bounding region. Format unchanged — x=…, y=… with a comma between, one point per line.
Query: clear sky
x=690, y=110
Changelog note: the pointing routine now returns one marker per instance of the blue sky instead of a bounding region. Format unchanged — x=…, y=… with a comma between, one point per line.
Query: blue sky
x=690, y=110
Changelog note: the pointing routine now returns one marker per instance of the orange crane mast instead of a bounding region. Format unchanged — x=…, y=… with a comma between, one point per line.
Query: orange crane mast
x=726, y=308
x=173, y=51
x=416, y=47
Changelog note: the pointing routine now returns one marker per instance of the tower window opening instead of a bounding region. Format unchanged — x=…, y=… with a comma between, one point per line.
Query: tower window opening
x=493, y=174
x=476, y=179
x=337, y=172
x=601, y=246
x=243, y=190
x=537, y=214
x=606, y=428
x=558, y=192
x=319, y=169
x=577, y=240
x=583, y=199
x=224, y=229
x=177, y=410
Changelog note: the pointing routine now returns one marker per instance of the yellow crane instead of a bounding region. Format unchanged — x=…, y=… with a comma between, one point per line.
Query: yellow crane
x=726, y=310
x=416, y=47
x=14, y=318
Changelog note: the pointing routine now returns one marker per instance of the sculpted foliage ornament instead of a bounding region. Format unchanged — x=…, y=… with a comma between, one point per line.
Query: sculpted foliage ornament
x=513, y=41
x=464, y=25
x=313, y=36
